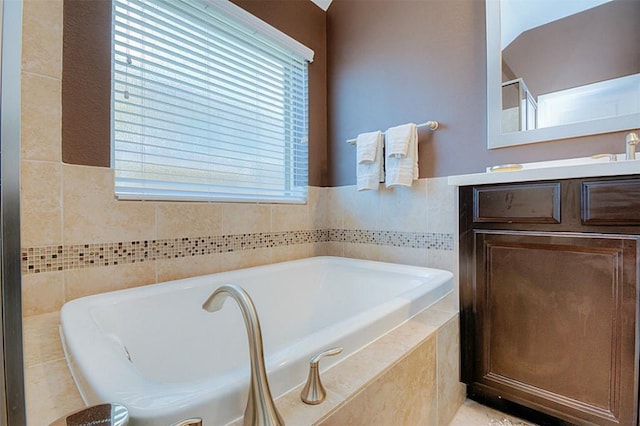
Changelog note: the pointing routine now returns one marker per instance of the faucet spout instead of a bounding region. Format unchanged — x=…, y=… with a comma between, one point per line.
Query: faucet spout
x=261, y=410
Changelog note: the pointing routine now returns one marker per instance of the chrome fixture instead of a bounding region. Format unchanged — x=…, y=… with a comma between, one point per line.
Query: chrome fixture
x=632, y=140
x=611, y=157
x=313, y=392
x=261, y=410
x=195, y=421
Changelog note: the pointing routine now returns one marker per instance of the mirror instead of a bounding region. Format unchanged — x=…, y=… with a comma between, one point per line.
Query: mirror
x=561, y=69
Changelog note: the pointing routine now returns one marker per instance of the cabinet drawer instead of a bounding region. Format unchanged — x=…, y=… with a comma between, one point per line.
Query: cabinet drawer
x=611, y=202
x=523, y=203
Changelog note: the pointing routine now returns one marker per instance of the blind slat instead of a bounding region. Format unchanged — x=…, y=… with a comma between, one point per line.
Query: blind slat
x=203, y=108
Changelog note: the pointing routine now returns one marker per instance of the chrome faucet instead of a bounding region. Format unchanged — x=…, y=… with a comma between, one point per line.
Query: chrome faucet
x=261, y=410
x=631, y=142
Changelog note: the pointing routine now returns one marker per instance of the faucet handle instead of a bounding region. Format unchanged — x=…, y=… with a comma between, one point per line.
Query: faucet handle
x=313, y=392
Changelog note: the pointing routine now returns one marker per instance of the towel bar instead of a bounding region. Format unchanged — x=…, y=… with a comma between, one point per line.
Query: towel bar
x=433, y=125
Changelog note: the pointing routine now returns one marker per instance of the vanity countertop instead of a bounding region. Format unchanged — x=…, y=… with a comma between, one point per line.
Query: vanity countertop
x=551, y=170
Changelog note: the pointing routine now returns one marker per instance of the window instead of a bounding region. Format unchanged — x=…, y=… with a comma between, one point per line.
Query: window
x=208, y=103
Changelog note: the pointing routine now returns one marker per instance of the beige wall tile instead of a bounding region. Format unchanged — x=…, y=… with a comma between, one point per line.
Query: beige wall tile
x=244, y=259
x=92, y=214
x=361, y=208
x=84, y=282
x=404, y=395
x=40, y=203
x=245, y=218
x=176, y=220
x=404, y=209
x=335, y=207
x=50, y=392
x=42, y=293
x=442, y=211
x=318, y=207
x=42, y=37
x=185, y=267
x=333, y=248
x=404, y=255
x=41, y=340
x=289, y=217
x=451, y=393
x=41, y=118
x=292, y=252
x=361, y=251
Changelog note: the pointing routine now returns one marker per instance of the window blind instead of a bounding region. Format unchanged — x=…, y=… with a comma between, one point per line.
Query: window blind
x=204, y=107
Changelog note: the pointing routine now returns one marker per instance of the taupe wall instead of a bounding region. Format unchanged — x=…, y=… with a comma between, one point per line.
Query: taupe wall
x=86, y=76
x=391, y=62
x=595, y=45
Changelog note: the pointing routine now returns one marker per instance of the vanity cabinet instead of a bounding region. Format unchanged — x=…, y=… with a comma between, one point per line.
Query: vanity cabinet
x=548, y=290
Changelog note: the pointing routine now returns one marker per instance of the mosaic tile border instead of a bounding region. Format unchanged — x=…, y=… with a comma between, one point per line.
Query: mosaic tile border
x=79, y=256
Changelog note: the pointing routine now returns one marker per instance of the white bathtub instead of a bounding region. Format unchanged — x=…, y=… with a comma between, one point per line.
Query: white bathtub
x=157, y=352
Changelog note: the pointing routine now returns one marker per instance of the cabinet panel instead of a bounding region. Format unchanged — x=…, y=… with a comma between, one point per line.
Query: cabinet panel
x=556, y=323
x=611, y=202
x=522, y=203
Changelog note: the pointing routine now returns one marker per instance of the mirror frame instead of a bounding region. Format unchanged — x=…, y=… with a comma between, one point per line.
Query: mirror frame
x=495, y=137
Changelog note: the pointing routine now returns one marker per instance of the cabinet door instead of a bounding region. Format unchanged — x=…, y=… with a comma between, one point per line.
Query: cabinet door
x=556, y=323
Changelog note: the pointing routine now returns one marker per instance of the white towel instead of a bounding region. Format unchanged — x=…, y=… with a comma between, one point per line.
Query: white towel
x=367, y=146
x=397, y=140
x=369, y=175
x=402, y=171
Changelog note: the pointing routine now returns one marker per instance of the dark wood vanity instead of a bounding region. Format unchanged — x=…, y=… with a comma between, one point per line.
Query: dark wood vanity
x=548, y=298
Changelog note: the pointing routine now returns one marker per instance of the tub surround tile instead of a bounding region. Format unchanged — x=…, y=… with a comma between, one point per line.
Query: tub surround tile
x=358, y=244
x=293, y=252
x=361, y=209
x=85, y=282
x=50, y=392
x=318, y=208
x=41, y=339
x=361, y=251
x=405, y=394
x=404, y=255
x=442, y=210
x=42, y=293
x=289, y=217
x=40, y=203
x=245, y=259
x=42, y=37
x=41, y=118
x=186, y=267
x=404, y=209
x=244, y=218
x=451, y=393
x=92, y=214
x=179, y=220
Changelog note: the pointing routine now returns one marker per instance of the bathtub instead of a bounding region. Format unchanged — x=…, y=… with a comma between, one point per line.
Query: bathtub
x=157, y=352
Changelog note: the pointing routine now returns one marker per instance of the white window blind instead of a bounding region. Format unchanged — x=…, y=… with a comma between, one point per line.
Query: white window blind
x=205, y=107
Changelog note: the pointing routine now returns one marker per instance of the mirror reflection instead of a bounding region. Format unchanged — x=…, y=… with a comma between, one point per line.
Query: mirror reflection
x=568, y=61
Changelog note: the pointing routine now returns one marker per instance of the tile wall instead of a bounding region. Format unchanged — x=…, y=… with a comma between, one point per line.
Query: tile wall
x=78, y=240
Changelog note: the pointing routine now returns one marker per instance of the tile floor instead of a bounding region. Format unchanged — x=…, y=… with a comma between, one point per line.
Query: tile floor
x=473, y=414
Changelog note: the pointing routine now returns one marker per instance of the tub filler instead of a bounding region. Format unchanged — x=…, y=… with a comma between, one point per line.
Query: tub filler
x=157, y=352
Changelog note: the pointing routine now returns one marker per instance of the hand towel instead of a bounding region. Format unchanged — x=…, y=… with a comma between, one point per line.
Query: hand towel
x=397, y=140
x=366, y=146
x=402, y=171
x=369, y=175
